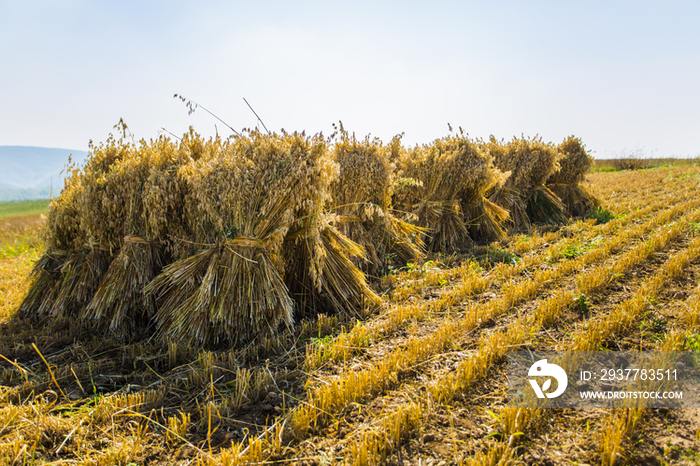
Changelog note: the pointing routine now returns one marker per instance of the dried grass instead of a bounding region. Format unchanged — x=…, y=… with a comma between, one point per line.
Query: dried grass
x=566, y=183
x=443, y=186
x=254, y=207
x=202, y=239
x=529, y=163
x=225, y=241
x=362, y=201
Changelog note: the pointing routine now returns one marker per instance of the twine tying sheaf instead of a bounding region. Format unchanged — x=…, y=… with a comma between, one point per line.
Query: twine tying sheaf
x=133, y=239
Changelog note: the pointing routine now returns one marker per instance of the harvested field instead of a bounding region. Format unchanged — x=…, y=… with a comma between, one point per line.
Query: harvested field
x=421, y=380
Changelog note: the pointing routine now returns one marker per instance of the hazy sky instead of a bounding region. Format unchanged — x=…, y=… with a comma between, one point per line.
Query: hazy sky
x=622, y=75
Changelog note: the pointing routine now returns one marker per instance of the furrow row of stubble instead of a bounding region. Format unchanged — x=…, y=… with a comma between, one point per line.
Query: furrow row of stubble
x=613, y=226
x=328, y=400
x=348, y=344
x=493, y=347
x=617, y=322
x=652, y=199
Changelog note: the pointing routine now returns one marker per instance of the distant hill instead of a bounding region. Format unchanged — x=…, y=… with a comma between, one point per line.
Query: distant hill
x=29, y=172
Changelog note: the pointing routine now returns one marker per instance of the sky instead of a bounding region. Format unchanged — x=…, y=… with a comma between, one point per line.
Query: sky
x=624, y=76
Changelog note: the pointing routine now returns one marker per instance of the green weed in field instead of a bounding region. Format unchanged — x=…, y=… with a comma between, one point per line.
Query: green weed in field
x=15, y=248
x=601, y=215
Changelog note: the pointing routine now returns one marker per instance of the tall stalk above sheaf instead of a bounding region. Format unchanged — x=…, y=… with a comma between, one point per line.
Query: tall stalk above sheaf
x=566, y=182
x=361, y=202
x=529, y=162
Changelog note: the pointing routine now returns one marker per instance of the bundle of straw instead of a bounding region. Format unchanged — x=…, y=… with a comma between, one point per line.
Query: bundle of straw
x=204, y=239
x=61, y=235
x=254, y=211
x=108, y=230
x=566, y=183
x=66, y=277
x=361, y=202
x=239, y=203
x=529, y=162
x=443, y=185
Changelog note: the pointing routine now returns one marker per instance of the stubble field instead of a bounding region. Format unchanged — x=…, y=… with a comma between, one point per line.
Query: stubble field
x=421, y=382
